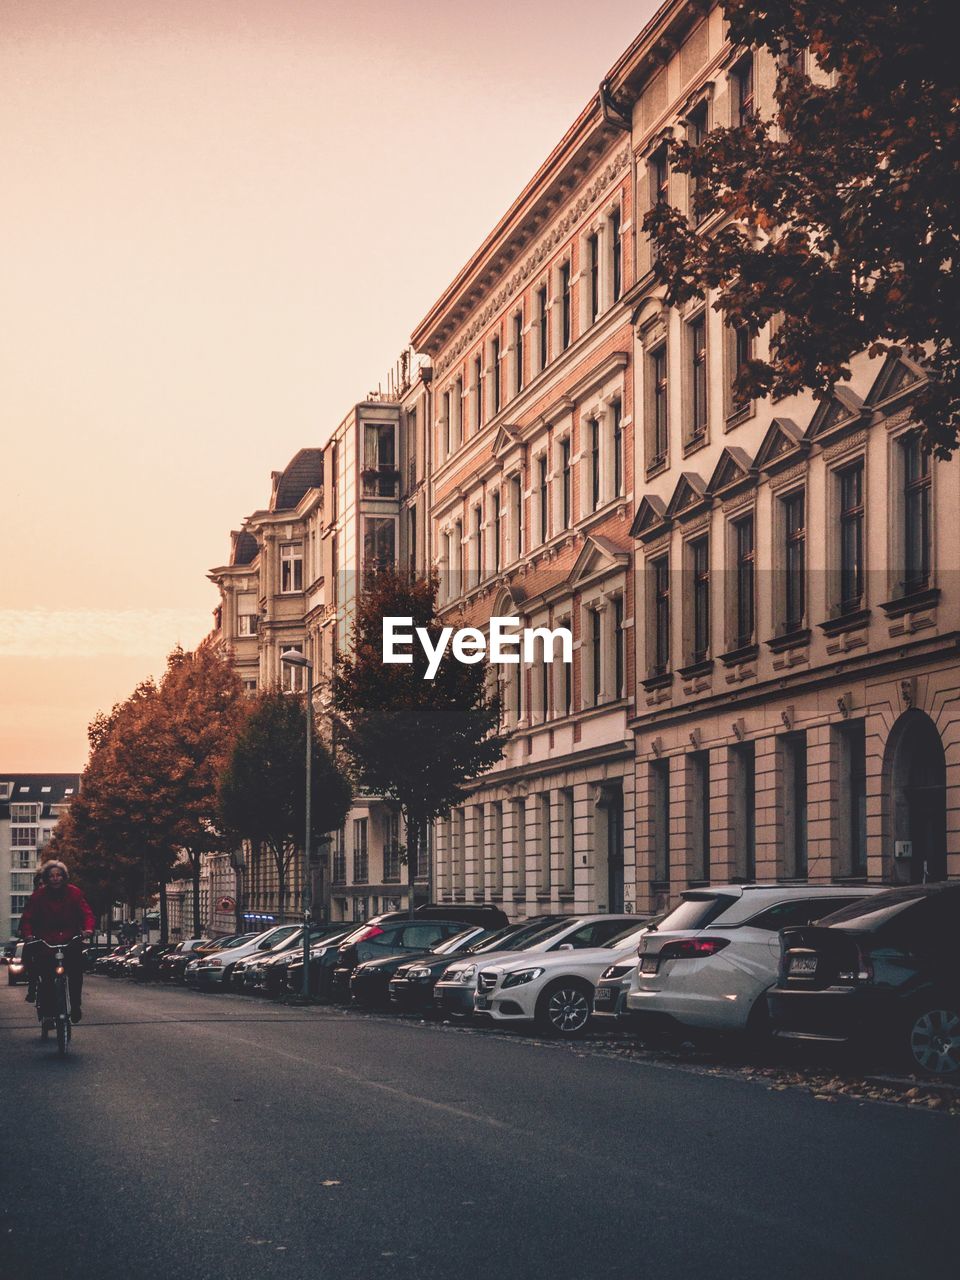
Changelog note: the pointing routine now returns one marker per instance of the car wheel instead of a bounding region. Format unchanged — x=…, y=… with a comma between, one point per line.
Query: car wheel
x=564, y=1008
x=933, y=1038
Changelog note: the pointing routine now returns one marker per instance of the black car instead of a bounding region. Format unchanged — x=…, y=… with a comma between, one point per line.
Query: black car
x=285, y=973
x=883, y=973
x=371, y=982
x=249, y=974
x=412, y=986
x=381, y=938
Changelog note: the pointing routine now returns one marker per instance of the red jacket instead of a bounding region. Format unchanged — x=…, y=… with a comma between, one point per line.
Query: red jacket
x=56, y=917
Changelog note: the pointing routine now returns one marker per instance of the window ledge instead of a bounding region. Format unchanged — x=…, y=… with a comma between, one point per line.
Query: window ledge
x=694, y=669
x=852, y=620
x=911, y=602
x=745, y=653
x=695, y=443
x=656, y=466
x=737, y=416
x=795, y=639
x=661, y=681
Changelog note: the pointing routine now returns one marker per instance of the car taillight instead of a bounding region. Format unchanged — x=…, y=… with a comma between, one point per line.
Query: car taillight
x=372, y=932
x=862, y=973
x=692, y=948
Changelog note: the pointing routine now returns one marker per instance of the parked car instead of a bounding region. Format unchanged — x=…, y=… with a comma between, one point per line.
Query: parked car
x=214, y=970
x=247, y=973
x=323, y=957
x=883, y=974
x=457, y=985
x=102, y=963
x=15, y=967
x=707, y=966
x=390, y=938
x=370, y=982
x=414, y=983
x=554, y=988
x=172, y=965
x=144, y=966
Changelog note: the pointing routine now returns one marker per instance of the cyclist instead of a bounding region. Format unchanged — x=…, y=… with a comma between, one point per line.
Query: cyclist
x=56, y=912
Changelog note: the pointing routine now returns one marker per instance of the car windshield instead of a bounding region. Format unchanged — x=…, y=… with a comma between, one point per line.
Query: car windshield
x=630, y=937
x=695, y=911
x=539, y=936
x=874, y=913
x=456, y=943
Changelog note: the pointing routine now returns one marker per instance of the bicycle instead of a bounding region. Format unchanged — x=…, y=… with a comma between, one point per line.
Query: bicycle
x=61, y=1019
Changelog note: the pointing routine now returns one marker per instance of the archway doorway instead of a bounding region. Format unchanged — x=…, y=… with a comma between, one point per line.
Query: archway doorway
x=915, y=769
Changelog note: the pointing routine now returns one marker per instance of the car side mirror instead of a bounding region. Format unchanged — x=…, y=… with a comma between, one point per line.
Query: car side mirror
x=565, y=946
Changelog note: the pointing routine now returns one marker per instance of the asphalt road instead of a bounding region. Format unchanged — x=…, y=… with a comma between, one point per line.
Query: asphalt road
x=189, y=1137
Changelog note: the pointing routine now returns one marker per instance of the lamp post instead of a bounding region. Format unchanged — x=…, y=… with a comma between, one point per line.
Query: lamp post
x=293, y=659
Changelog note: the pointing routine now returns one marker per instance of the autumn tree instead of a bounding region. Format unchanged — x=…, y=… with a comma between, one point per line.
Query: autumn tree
x=839, y=214
x=414, y=741
x=263, y=787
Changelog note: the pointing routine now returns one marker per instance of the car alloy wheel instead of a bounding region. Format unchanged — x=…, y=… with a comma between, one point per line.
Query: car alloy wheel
x=566, y=1010
x=935, y=1041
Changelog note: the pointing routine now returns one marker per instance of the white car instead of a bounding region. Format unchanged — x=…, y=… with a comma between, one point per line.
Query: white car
x=708, y=965
x=554, y=988
x=215, y=969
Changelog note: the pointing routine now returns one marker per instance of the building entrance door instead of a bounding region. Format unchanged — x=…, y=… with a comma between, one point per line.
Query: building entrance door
x=918, y=779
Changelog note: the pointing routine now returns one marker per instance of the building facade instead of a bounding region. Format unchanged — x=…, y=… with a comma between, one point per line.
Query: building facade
x=31, y=804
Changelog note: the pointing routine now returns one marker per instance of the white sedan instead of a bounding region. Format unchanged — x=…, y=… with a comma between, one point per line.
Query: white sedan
x=555, y=989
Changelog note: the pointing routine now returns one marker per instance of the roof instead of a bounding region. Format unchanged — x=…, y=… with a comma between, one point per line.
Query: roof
x=30, y=788
x=304, y=471
x=244, y=548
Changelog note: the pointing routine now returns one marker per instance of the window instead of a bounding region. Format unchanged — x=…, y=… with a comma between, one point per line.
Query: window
x=544, y=670
x=247, y=618
x=361, y=869
x=339, y=858
x=391, y=848
x=520, y=840
x=916, y=514
x=660, y=819
x=518, y=370
x=458, y=576
x=794, y=535
x=564, y=305
x=495, y=373
x=617, y=448
x=496, y=868
x=567, y=850
x=516, y=516
x=740, y=342
x=596, y=654
x=379, y=542
x=696, y=132
x=542, y=489
x=697, y=348
x=23, y=837
x=543, y=326
x=619, y=649
x=658, y=377
x=23, y=859
x=292, y=679
x=335, y=482
x=457, y=407
x=593, y=268
x=291, y=567
x=446, y=424
x=477, y=393
x=565, y=491
x=545, y=843
x=743, y=101
x=617, y=255
x=744, y=769
x=497, y=550
x=660, y=574
x=853, y=797
x=794, y=747
x=700, y=815
x=379, y=460
x=659, y=187
x=850, y=486
x=412, y=539
x=477, y=540
x=744, y=603
x=700, y=571
x=593, y=445
x=458, y=854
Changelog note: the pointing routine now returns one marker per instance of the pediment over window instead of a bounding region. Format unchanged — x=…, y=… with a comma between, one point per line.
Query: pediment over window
x=598, y=556
x=509, y=602
x=651, y=518
x=507, y=438
x=839, y=411
x=899, y=373
x=689, y=497
x=783, y=443
x=732, y=472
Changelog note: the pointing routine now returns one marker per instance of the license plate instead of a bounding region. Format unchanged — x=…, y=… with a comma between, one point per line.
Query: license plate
x=649, y=964
x=604, y=995
x=803, y=966
x=481, y=1002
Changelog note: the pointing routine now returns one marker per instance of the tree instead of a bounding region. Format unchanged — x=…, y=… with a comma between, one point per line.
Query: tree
x=842, y=213
x=263, y=788
x=412, y=740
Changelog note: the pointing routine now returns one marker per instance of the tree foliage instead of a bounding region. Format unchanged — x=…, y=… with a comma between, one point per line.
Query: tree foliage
x=412, y=740
x=263, y=788
x=841, y=213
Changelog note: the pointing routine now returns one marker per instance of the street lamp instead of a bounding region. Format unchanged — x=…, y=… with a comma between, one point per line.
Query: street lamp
x=294, y=659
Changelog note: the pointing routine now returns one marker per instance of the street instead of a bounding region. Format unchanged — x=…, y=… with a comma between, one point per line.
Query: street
x=189, y=1137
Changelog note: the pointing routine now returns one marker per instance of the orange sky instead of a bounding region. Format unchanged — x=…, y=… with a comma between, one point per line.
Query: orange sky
x=221, y=219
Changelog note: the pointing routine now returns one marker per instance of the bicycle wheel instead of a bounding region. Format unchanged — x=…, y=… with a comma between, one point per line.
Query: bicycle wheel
x=63, y=1019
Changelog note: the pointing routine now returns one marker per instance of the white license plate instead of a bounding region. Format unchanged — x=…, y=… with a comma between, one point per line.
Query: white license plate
x=481, y=1002
x=803, y=966
x=604, y=995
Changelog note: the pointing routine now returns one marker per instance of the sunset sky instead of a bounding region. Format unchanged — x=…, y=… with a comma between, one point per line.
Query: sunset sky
x=221, y=220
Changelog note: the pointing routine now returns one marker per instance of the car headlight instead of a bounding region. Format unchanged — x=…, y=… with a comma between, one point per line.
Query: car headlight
x=520, y=976
x=616, y=971
x=216, y=964
x=465, y=975
x=418, y=974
